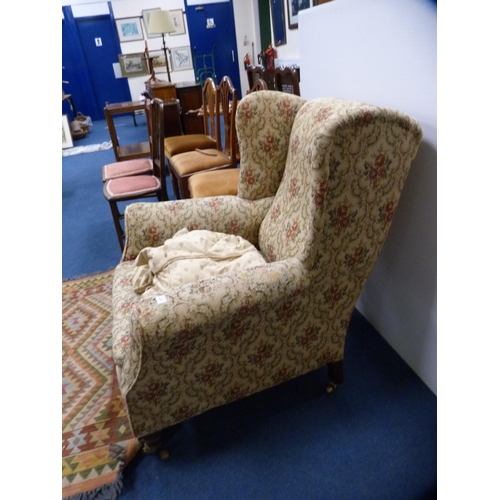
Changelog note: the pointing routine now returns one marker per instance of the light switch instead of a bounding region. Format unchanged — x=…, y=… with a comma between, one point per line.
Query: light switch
x=98, y=42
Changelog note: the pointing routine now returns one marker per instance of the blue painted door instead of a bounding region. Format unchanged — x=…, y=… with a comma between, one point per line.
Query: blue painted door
x=89, y=65
x=100, y=59
x=204, y=35
x=74, y=70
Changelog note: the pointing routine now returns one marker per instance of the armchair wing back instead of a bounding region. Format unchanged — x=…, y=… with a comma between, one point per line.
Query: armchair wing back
x=345, y=169
x=320, y=224
x=264, y=121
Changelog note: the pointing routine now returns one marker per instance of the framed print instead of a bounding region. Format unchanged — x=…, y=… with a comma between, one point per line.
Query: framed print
x=278, y=17
x=67, y=140
x=159, y=64
x=133, y=64
x=145, y=19
x=129, y=29
x=178, y=20
x=294, y=7
x=181, y=58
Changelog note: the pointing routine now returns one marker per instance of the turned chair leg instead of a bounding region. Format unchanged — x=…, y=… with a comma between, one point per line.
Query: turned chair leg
x=335, y=375
x=117, y=216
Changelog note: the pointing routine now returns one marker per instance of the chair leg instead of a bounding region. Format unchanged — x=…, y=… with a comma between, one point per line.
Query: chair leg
x=184, y=182
x=116, y=219
x=175, y=184
x=150, y=443
x=335, y=375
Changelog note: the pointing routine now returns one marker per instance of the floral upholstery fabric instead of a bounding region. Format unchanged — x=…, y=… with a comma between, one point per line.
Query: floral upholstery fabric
x=263, y=125
x=216, y=340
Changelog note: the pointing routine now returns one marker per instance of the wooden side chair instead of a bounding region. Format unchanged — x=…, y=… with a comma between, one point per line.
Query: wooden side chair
x=124, y=152
x=138, y=166
x=259, y=84
x=287, y=79
x=254, y=73
x=124, y=189
x=184, y=165
x=189, y=142
x=220, y=182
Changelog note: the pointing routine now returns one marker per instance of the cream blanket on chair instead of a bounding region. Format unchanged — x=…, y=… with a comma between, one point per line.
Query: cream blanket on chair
x=189, y=256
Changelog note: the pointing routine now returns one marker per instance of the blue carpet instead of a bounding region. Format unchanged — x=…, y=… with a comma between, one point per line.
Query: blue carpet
x=374, y=438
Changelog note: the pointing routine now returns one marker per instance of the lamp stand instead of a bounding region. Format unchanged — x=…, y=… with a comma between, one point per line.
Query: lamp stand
x=166, y=58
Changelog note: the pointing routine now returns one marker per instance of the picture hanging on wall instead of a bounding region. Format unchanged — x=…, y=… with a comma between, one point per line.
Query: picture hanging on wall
x=181, y=58
x=178, y=20
x=294, y=7
x=133, y=64
x=145, y=19
x=67, y=140
x=129, y=29
x=159, y=61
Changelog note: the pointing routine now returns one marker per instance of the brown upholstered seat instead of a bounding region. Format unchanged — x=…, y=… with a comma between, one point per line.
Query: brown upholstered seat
x=214, y=183
x=183, y=143
x=183, y=165
x=219, y=182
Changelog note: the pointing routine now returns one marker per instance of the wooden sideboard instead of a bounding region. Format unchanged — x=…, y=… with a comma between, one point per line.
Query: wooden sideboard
x=190, y=98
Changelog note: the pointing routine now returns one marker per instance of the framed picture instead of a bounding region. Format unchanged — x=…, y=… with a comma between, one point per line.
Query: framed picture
x=278, y=18
x=178, y=20
x=159, y=61
x=294, y=7
x=129, y=29
x=67, y=140
x=145, y=19
x=133, y=64
x=181, y=58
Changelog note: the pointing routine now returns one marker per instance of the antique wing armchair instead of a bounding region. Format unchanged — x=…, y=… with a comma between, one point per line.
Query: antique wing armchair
x=319, y=184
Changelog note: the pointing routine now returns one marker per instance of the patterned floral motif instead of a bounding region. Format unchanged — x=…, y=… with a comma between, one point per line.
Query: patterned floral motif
x=264, y=122
x=320, y=224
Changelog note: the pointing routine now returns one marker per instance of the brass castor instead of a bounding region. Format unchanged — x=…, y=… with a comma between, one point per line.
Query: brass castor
x=335, y=375
x=331, y=387
x=151, y=443
x=148, y=449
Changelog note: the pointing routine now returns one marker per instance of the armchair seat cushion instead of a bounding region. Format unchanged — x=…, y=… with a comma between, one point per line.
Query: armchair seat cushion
x=190, y=256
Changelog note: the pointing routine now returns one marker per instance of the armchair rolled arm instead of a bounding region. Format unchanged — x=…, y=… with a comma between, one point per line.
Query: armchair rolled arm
x=174, y=359
x=150, y=224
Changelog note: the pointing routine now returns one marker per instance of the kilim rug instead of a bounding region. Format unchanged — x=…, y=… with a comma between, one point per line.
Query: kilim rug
x=97, y=440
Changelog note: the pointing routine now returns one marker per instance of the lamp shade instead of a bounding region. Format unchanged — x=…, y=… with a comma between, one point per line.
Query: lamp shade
x=160, y=21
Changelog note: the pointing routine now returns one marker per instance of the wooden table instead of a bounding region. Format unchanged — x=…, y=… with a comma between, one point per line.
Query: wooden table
x=190, y=98
x=125, y=151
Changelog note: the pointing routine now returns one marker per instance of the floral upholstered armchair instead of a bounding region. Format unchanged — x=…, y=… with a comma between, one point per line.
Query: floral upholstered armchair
x=319, y=183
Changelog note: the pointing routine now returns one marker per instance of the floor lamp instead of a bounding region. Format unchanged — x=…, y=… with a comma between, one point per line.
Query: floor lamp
x=160, y=22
